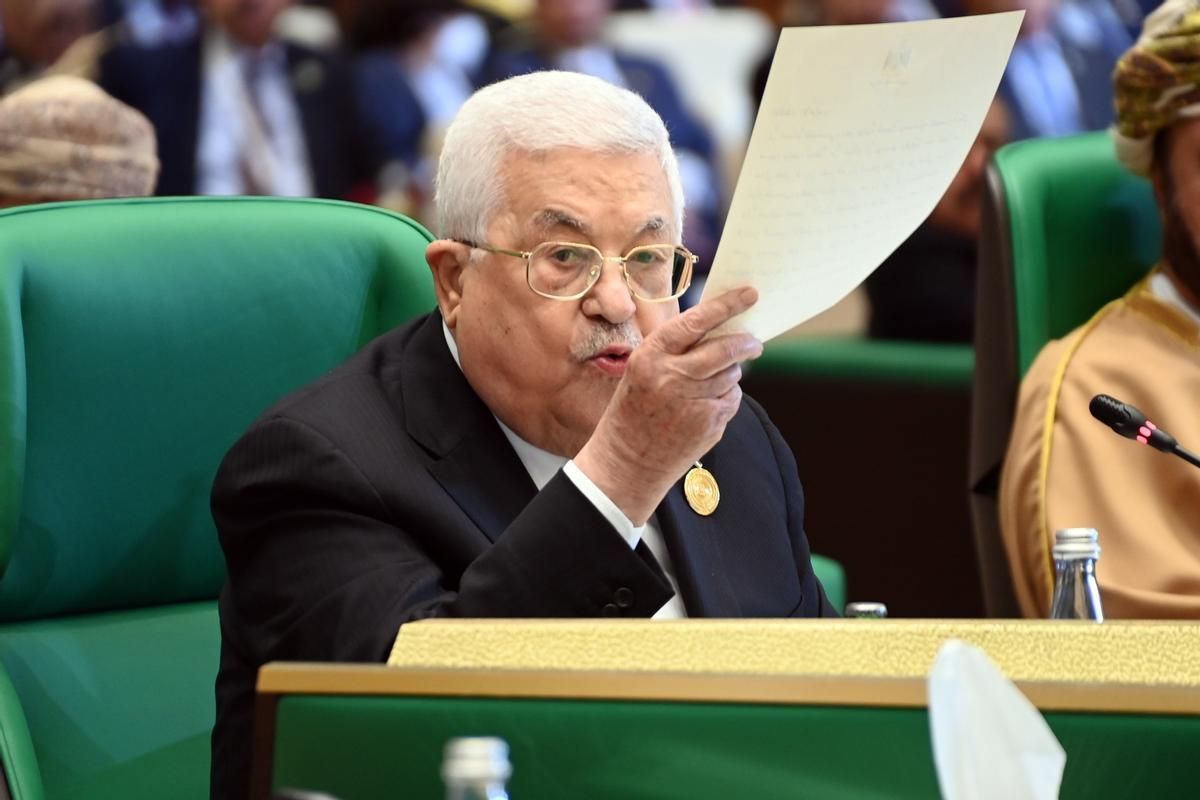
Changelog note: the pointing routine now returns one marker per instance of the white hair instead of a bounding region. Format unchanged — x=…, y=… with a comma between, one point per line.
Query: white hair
x=536, y=113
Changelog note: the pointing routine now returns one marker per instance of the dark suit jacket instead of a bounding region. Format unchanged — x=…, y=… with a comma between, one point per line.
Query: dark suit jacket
x=164, y=83
x=386, y=492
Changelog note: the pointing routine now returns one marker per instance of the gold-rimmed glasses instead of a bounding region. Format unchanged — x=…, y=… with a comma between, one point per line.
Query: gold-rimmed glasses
x=568, y=270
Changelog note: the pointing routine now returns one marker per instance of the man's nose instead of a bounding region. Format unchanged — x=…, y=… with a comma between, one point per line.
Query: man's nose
x=610, y=298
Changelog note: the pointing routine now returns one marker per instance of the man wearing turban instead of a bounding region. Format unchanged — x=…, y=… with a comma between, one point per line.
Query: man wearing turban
x=63, y=138
x=1063, y=469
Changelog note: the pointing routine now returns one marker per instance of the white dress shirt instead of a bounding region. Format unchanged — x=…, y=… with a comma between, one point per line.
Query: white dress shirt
x=249, y=143
x=543, y=466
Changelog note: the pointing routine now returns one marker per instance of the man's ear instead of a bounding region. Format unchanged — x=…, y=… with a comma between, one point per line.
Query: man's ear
x=447, y=260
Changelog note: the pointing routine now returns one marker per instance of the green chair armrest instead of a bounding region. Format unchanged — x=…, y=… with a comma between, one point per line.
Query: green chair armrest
x=833, y=578
x=17, y=755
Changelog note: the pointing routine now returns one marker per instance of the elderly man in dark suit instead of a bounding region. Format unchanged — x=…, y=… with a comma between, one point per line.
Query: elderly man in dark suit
x=238, y=111
x=555, y=440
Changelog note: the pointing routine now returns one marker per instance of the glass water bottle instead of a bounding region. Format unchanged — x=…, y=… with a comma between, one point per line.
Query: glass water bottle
x=1076, y=595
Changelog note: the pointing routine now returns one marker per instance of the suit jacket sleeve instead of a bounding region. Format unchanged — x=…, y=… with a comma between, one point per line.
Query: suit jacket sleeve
x=321, y=568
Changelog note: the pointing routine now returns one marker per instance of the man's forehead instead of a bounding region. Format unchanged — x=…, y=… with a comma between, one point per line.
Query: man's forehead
x=551, y=218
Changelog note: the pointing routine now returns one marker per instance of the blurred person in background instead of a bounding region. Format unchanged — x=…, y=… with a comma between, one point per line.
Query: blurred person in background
x=1058, y=78
x=569, y=35
x=835, y=12
x=153, y=22
x=238, y=111
x=867, y=12
x=925, y=290
x=415, y=64
x=35, y=33
x=63, y=138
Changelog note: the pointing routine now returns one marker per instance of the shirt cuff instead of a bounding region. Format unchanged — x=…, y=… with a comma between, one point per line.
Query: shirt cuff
x=615, y=516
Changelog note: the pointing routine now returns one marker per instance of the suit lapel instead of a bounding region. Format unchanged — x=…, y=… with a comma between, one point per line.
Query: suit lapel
x=473, y=460
x=486, y=479
x=695, y=547
x=476, y=465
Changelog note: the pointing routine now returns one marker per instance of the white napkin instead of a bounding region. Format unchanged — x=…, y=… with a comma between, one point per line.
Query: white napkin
x=989, y=742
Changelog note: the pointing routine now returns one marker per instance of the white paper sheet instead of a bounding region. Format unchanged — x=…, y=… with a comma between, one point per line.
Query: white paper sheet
x=860, y=131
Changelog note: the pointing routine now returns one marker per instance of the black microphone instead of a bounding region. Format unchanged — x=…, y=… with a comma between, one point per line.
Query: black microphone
x=1132, y=424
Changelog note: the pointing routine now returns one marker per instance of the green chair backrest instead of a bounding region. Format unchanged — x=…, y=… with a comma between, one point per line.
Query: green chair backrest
x=1084, y=229
x=1066, y=229
x=138, y=339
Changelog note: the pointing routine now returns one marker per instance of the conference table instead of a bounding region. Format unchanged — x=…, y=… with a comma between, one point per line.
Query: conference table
x=723, y=708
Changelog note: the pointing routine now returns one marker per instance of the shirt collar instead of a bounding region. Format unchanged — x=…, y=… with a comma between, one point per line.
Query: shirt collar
x=272, y=55
x=540, y=464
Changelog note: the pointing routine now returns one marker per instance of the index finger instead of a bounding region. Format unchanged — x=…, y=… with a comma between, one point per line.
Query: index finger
x=681, y=333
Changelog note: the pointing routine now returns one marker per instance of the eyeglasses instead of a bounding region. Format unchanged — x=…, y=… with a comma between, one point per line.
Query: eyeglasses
x=567, y=271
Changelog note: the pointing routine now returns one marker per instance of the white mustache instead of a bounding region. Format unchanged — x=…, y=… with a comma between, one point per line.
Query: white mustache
x=603, y=336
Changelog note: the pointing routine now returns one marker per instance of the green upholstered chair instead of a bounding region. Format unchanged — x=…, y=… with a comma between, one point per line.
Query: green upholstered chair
x=879, y=431
x=138, y=339
x=1066, y=229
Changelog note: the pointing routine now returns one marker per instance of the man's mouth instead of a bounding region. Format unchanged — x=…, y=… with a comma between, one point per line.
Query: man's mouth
x=612, y=359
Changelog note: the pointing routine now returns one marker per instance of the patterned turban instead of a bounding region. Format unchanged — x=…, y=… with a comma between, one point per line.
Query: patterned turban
x=64, y=138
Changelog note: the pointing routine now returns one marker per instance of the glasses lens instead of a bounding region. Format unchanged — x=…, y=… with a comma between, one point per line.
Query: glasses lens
x=561, y=269
x=658, y=271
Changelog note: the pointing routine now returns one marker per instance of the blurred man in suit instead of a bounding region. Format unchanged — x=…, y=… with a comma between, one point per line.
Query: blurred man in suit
x=533, y=447
x=1065, y=469
x=1057, y=79
x=63, y=138
x=238, y=111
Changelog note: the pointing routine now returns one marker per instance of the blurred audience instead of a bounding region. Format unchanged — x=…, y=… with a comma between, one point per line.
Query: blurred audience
x=35, y=33
x=671, y=5
x=926, y=289
x=864, y=12
x=63, y=138
x=1058, y=77
x=150, y=23
x=238, y=111
x=569, y=35
x=837, y=12
x=415, y=64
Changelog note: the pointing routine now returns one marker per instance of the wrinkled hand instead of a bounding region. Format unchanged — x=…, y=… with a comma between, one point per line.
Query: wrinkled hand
x=678, y=393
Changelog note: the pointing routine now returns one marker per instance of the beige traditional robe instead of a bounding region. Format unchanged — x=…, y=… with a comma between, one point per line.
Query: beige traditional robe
x=1065, y=469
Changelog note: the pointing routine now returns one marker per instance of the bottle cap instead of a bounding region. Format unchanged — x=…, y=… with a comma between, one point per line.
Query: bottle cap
x=476, y=759
x=866, y=610
x=1074, y=544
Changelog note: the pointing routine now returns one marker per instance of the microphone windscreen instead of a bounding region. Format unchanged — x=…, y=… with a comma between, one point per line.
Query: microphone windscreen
x=1109, y=410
